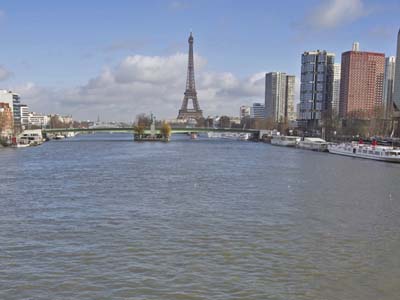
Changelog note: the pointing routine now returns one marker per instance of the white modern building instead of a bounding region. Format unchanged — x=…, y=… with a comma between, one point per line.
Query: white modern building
x=258, y=111
x=245, y=112
x=24, y=115
x=38, y=120
x=336, y=89
x=388, y=84
x=290, y=111
x=317, y=68
x=275, y=96
x=396, y=93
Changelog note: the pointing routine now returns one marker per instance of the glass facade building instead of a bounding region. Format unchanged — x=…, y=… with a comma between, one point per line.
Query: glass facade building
x=258, y=111
x=316, y=89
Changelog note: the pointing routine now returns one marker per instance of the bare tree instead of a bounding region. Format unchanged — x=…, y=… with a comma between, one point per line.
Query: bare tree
x=143, y=120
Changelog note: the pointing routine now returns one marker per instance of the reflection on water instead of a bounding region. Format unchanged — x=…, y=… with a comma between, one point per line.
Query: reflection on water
x=101, y=217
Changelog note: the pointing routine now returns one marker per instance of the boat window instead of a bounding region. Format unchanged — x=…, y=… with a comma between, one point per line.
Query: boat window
x=377, y=153
x=370, y=152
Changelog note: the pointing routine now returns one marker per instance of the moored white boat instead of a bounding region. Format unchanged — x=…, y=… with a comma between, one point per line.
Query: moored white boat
x=72, y=134
x=28, y=138
x=229, y=135
x=375, y=152
x=315, y=144
x=20, y=145
x=283, y=140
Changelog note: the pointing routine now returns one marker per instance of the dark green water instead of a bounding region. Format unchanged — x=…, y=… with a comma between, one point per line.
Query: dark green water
x=101, y=217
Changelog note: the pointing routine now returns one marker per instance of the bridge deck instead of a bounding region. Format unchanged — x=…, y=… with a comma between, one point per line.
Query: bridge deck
x=130, y=130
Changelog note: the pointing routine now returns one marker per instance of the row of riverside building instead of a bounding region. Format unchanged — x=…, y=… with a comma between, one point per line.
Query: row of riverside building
x=16, y=117
x=361, y=87
x=354, y=89
x=365, y=85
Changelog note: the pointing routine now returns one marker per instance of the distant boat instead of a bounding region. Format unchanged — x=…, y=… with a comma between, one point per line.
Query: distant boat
x=59, y=137
x=283, y=140
x=375, y=152
x=193, y=136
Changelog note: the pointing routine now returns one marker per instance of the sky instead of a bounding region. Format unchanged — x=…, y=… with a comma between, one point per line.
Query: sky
x=116, y=59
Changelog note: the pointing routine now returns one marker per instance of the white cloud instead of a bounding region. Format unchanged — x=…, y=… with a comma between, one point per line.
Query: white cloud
x=147, y=84
x=4, y=73
x=334, y=13
x=39, y=99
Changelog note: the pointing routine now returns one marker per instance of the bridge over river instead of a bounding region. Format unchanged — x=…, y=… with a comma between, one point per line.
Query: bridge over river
x=182, y=130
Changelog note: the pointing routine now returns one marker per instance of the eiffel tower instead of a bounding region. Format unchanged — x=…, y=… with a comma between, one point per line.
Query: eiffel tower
x=190, y=93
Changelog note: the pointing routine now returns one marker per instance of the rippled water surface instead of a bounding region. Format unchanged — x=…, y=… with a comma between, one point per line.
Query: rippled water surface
x=101, y=217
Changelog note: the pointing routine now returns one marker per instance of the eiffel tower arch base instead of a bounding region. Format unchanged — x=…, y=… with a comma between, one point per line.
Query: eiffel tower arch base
x=186, y=114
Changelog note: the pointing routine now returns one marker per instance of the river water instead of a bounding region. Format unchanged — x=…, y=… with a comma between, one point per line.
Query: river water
x=101, y=217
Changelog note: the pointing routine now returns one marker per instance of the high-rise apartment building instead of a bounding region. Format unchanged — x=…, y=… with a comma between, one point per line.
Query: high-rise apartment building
x=275, y=96
x=279, y=97
x=396, y=93
x=317, y=68
x=290, y=112
x=361, y=85
x=388, y=85
x=336, y=89
x=258, y=111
